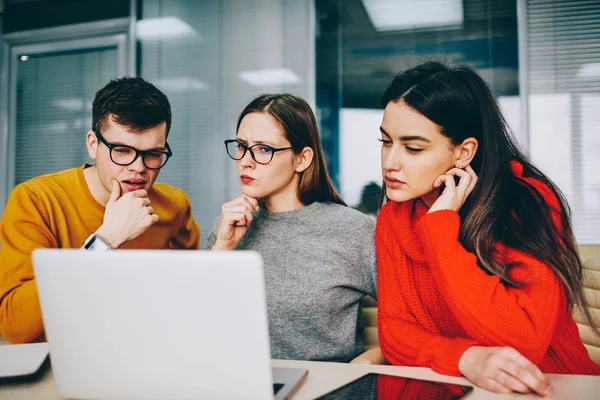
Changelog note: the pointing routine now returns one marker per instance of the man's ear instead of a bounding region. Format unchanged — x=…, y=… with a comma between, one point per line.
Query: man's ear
x=465, y=152
x=304, y=159
x=92, y=144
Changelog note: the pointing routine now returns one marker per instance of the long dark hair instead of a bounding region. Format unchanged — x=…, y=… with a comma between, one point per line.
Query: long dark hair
x=503, y=207
x=299, y=125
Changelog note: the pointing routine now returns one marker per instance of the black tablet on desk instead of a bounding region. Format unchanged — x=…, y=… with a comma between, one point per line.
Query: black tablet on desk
x=388, y=387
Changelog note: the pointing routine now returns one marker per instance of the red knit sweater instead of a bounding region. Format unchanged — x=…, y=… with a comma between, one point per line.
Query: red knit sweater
x=434, y=301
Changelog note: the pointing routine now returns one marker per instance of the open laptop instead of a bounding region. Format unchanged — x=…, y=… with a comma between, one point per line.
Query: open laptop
x=158, y=324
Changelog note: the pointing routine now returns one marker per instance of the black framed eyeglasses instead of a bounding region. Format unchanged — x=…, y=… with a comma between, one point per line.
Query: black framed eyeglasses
x=124, y=155
x=261, y=153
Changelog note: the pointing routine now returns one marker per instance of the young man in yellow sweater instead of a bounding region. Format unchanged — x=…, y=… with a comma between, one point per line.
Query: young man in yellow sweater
x=112, y=204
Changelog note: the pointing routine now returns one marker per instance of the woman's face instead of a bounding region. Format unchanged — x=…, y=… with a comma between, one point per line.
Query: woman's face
x=278, y=176
x=414, y=153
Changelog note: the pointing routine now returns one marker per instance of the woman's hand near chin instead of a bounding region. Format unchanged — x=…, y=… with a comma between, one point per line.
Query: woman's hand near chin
x=236, y=217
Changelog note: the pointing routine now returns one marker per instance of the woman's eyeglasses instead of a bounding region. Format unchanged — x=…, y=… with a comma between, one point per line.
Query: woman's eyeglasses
x=261, y=153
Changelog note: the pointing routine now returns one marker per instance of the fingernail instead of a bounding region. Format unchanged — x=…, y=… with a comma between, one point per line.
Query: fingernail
x=548, y=391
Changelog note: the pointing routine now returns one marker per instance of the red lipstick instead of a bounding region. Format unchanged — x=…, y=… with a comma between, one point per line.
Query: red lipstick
x=246, y=179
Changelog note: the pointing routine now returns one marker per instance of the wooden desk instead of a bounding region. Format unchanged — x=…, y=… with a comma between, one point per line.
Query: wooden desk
x=325, y=377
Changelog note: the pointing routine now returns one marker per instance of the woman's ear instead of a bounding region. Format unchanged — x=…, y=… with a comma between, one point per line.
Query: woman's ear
x=465, y=152
x=92, y=144
x=304, y=159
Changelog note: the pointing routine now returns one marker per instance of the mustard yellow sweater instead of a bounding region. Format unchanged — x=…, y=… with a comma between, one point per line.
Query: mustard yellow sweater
x=58, y=211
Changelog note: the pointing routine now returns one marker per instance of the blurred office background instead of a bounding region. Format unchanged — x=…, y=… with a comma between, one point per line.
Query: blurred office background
x=211, y=57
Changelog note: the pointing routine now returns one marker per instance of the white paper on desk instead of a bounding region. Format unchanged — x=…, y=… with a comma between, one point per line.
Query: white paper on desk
x=21, y=359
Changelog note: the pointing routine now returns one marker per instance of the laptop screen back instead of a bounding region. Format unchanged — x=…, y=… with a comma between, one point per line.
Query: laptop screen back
x=155, y=324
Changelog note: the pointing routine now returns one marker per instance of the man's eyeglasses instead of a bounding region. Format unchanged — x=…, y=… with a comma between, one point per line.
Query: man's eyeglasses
x=261, y=153
x=124, y=155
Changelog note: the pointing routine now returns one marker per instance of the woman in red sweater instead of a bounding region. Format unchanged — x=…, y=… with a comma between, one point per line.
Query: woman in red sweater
x=478, y=266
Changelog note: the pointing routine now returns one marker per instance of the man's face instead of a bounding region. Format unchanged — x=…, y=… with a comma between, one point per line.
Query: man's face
x=134, y=176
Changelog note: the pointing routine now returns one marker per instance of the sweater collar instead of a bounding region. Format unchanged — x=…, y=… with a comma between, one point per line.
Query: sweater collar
x=290, y=215
x=406, y=215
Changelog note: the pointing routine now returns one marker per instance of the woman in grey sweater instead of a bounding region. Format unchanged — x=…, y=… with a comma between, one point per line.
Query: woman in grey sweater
x=319, y=254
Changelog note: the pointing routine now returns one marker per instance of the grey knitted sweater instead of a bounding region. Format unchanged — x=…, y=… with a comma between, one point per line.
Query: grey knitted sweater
x=319, y=263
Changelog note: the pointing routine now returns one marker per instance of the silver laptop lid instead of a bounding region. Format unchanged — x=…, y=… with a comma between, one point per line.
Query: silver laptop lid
x=155, y=324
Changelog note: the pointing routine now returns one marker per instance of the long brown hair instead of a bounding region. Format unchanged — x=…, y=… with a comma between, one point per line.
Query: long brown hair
x=299, y=125
x=503, y=208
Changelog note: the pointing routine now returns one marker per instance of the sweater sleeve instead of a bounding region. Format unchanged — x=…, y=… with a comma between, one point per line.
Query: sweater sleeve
x=403, y=340
x=188, y=235
x=369, y=257
x=24, y=227
x=491, y=313
x=212, y=236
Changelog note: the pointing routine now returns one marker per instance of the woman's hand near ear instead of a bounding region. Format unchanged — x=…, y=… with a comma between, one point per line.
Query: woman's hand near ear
x=454, y=196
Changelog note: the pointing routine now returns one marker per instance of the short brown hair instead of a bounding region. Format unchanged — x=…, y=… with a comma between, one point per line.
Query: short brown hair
x=131, y=102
